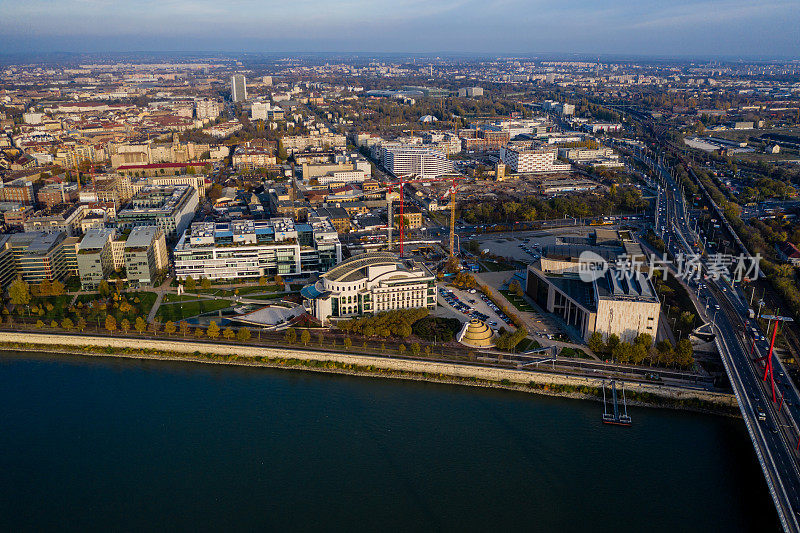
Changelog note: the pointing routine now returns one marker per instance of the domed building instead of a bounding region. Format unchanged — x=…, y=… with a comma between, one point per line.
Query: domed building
x=476, y=334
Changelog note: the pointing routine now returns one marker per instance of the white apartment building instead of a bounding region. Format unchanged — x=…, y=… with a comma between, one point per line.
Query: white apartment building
x=423, y=162
x=207, y=109
x=343, y=176
x=532, y=160
x=259, y=111
x=368, y=284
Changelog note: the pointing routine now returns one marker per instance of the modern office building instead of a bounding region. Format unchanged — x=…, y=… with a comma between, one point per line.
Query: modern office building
x=368, y=284
x=250, y=249
x=8, y=269
x=423, y=162
x=169, y=207
x=238, y=88
x=39, y=255
x=145, y=255
x=95, y=259
x=532, y=160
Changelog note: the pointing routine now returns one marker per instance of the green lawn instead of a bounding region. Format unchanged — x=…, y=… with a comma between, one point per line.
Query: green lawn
x=177, y=311
x=527, y=344
x=59, y=303
x=519, y=303
x=267, y=296
x=259, y=289
x=171, y=297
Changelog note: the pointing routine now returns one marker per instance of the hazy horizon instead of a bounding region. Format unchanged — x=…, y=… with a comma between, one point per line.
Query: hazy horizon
x=680, y=29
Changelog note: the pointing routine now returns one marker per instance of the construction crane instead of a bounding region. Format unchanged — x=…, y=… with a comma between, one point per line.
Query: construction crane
x=401, y=184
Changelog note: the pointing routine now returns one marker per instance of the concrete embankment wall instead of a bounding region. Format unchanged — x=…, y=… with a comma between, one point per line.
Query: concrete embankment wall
x=74, y=343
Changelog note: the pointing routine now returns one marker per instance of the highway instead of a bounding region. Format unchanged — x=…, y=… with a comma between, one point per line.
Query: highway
x=773, y=427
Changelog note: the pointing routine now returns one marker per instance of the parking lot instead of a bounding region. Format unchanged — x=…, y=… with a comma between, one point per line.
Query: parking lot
x=508, y=245
x=472, y=304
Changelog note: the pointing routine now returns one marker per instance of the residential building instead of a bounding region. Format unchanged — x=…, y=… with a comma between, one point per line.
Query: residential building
x=470, y=92
x=169, y=207
x=531, y=160
x=207, y=109
x=250, y=249
x=368, y=284
x=411, y=213
x=260, y=111
x=238, y=88
x=57, y=193
x=19, y=190
x=58, y=218
x=338, y=216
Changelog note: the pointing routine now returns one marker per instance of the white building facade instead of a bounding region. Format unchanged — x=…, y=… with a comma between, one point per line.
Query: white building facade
x=368, y=284
x=251, y=249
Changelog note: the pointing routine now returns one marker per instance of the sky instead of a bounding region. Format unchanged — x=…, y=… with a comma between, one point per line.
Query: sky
x=768, y=29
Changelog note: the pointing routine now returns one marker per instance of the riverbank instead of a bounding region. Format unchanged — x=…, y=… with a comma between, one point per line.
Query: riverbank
x=576, y=387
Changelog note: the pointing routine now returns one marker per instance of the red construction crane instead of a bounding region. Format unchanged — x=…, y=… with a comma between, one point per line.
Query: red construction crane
x=402, y=183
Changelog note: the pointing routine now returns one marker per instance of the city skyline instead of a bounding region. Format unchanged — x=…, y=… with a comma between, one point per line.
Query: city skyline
x=680, y=29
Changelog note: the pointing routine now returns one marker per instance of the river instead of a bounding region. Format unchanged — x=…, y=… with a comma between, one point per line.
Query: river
x=91, y=444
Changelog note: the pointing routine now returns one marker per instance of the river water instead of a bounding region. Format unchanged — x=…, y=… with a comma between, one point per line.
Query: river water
x=90, y=444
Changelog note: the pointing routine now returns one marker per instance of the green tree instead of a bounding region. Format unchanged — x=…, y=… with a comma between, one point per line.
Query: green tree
x=53, y=324
x=104, y=289
x=305, y=337
x=19, y=292
x=111, y=323
x=205, y=283
x=321, y=337
x=596, y=343
x=56, y=288
x=291, y=335
x=81, y=324
x=169, y=327
x=262, y=281
x=189, y=284
x=67, y=324
x=229, y=334
x=612, y=342
x=199, y=333
x=348, y=343
x=213, y=330
x=416, y=349
x=140, y=325
x=39, y=324
x=243, y=335
x=683, y=351
x=428, y=350
x=184, y=327
x=125, y=325
x=401, y=349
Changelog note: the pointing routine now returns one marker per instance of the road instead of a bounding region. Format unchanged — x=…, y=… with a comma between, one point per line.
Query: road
x=773, y=427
